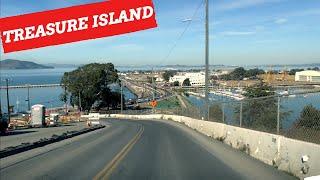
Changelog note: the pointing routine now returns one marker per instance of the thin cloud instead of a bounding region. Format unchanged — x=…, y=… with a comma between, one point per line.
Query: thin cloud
x=281, y=21
x=266, y=41
x=128, y=47
x=305, y=12
x=259, y=28
x=238, y=33
x=239, y=4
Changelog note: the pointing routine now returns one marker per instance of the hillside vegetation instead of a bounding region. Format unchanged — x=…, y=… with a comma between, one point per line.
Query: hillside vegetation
x=16, y=64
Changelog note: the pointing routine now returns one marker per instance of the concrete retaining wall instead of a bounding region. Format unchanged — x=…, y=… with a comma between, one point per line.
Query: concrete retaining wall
x=278, y=151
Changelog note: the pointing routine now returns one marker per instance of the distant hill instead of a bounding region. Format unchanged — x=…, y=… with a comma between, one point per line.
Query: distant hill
x=16, y=64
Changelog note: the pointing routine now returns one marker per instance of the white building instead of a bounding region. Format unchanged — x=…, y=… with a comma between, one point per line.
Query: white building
x=308, y=76
x=221, y=72
x=196, y=79
x=159, y=78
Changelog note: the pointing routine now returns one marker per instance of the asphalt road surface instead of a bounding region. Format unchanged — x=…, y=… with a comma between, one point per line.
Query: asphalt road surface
x=137, y=150
x=17, y=137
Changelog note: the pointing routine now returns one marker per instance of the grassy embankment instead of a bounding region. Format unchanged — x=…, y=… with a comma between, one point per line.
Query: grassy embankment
x=169, y=103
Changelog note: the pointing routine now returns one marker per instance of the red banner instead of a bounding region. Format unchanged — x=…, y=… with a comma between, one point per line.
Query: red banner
x=76, y=23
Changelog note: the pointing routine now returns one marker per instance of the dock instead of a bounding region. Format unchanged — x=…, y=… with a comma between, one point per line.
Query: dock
x=31, y=86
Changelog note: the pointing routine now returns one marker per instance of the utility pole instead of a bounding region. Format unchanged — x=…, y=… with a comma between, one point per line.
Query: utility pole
x=153, y=91
x=241, y=108
x=153, y=86
x=80, y=107
x=121, y=101
x=207, y=60
x=29, y=108
x=144, y=90
x=0, y=107
x=278, y=116
x=8, y=100
x=65, y=104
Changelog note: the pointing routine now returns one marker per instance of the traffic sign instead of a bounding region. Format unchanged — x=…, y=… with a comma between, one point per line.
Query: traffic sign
x=154, y=103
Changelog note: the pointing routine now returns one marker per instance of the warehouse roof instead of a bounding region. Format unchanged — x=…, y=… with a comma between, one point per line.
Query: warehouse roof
x=309, y=73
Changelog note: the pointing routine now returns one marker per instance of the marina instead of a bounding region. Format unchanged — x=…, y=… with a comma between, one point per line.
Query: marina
x=229, y=94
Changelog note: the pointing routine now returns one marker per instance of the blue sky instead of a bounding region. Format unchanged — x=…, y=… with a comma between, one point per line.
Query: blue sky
x=242, y=32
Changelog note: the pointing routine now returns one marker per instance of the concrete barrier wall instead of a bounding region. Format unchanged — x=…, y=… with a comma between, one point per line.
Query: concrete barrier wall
x=291, y=152
x=281, y=152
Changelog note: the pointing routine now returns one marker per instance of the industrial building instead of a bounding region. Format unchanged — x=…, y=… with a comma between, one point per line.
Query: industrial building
x=308, y=76
x=196, y=79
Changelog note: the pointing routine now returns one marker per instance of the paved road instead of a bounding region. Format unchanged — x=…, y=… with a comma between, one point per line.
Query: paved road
x=17, y=137
x=137, y=150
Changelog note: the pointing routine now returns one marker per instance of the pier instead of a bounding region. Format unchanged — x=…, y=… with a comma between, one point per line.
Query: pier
x=31, y=86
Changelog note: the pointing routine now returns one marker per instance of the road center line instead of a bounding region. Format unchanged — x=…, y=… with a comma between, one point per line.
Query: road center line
x=110, y=167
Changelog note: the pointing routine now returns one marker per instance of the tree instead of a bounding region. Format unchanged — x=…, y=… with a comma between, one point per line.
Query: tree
x=151, y=79
x=110, y=100
x=309, y=118
x=216, y=113
x=260, y=90
x=240, y=73
x=176, y=83
x=91, y=82
x=226, y=77
x=168, y=74
x=307, y=126
x=186, y=82
x=260, y=110
x=294, y=71
x=64, y=98
x=253, y=72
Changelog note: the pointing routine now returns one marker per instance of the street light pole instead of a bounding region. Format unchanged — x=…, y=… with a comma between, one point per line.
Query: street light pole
x=207, y=61
x=121, y=101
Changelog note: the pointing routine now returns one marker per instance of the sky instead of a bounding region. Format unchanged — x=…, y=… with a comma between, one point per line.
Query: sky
x=242, y=32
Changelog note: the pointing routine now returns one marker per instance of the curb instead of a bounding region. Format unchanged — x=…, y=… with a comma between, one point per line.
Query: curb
x=9, y=151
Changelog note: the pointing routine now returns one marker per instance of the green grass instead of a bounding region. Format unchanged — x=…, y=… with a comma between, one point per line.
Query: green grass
x=169, y=103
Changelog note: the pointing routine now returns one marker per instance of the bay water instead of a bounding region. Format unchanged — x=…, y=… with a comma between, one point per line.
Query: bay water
x=48, y=96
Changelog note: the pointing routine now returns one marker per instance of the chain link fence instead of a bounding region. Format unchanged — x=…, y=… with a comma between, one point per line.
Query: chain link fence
x=294, y=116
x=303, y=118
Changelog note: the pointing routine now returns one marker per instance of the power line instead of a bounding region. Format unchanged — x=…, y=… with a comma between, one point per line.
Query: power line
x=175, y=44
